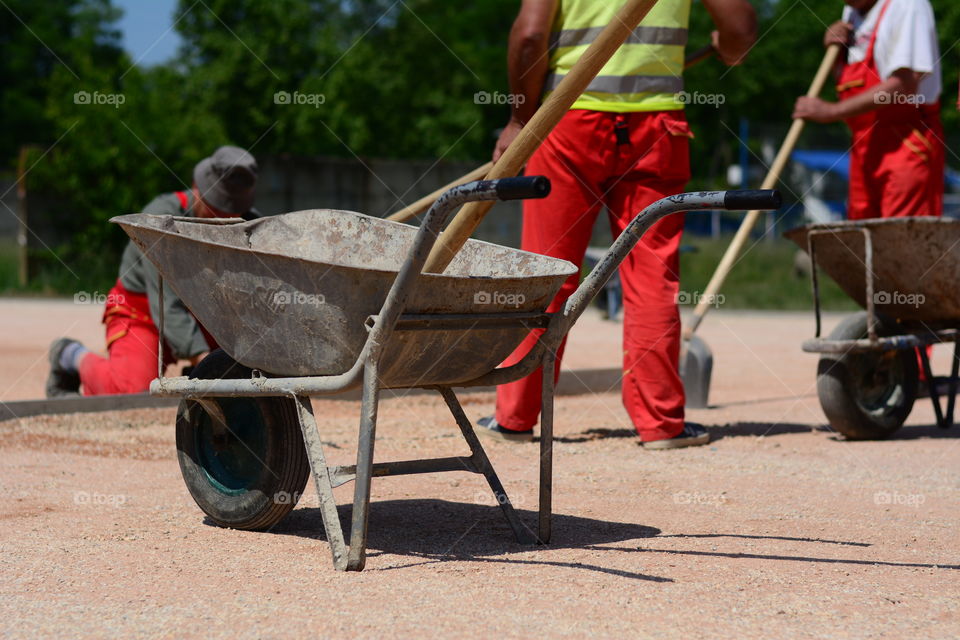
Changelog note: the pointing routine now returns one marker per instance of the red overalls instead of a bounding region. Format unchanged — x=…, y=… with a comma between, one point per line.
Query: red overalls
x=897, y=155
x=132, y=347
x=132, y=344
x=626, y=162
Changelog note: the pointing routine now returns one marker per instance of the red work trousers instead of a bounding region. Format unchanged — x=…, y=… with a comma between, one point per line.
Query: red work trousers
x=132, y=347
x=624, y=162
x=896, y=168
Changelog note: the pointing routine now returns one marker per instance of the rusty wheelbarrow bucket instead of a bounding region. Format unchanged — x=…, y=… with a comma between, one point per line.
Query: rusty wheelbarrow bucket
x=904, y=273
x=319, y=302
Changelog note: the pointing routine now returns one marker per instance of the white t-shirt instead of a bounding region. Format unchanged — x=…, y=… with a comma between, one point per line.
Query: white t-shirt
x=907, y=40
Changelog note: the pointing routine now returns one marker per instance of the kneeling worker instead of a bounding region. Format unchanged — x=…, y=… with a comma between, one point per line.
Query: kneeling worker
x=223, y=187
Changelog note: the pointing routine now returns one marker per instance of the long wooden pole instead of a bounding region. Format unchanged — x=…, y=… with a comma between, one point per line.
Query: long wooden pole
x=427, y=201
x=770, y=182
x=539, y=126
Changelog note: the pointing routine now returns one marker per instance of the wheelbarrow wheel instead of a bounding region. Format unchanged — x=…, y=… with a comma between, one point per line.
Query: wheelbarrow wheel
x=250, y=475
x=867, y=396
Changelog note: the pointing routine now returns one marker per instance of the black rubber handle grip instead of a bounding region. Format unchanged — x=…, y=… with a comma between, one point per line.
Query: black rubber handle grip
x=523, y=187
x=752, y=199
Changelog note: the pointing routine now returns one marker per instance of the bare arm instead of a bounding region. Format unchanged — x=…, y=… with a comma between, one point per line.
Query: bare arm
x=527, y=64
x=901, y=85
x=736, y=33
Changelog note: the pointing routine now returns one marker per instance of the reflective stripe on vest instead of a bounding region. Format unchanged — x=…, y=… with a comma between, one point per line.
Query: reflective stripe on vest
x=646, y=72
x=628, y=85
x=640, y=35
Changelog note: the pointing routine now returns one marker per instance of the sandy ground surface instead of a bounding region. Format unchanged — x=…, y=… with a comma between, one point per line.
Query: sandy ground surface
x=777, y=529
x=30, y=325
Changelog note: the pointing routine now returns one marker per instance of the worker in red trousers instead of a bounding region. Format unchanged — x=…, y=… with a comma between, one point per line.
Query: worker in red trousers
x=889, y=87
x=623, y=145
x=223, y=187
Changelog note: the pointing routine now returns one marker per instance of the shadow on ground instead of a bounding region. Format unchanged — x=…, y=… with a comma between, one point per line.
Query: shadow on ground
x=916, y=433
x=739, y=429
x=431, y=531
x=717, y=432
x=739, y=555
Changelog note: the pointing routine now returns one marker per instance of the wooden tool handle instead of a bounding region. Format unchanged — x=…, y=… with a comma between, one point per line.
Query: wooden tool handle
x=427, y=201
x=770, y=182
x=699, y=56
x=540, y=125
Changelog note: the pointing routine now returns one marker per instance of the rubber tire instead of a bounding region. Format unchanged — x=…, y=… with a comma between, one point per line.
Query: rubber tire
x=268, y=496
x=840, y=384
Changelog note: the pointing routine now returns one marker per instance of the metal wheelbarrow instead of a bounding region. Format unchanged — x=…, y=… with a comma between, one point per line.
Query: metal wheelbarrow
x=904, y=273
x=319, y=302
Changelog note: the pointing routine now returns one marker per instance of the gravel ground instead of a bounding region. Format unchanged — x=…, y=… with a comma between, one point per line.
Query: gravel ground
x=778, y=528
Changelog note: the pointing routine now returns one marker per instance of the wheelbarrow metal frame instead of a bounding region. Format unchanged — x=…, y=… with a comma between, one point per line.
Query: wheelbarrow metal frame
x=914, y=340
x=392, y=319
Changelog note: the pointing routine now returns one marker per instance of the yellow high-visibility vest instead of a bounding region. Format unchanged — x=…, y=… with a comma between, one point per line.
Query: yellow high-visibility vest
x=646, y=72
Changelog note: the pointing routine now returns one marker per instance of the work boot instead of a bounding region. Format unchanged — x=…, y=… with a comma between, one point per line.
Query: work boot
x=693, y=435
x=488, y=427
x=61, y=382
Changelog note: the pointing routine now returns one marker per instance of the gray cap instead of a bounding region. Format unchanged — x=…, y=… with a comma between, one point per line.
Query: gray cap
x=227, y=180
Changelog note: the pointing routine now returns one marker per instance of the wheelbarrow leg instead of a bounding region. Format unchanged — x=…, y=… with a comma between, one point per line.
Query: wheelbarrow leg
x=361, y=492
x=546, y=451
x=321, y=477
x=952, y=384
x=944, y=418
x=482, y=462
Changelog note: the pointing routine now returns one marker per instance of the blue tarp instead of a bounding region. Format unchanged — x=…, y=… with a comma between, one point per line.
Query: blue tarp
x=953, y=178
x=837, y=162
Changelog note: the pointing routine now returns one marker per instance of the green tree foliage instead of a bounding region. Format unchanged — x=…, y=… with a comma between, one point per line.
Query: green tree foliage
x=395, y=79
x=116, y=135
x=431, y=63
x=40, y=40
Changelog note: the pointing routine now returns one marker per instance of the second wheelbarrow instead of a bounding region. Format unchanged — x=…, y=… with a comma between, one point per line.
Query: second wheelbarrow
x=903, y=272
x=318, y=302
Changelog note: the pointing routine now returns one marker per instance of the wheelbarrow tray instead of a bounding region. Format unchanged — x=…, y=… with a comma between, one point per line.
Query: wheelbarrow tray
x=290, y=294
x=916, y=262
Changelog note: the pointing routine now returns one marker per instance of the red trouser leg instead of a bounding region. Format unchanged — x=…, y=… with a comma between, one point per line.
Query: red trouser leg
x=910, y=178
x=588, y=167
x=860, y=202
x=131, y=363
x=573, y=156
x=650, y=276
x=897, y=171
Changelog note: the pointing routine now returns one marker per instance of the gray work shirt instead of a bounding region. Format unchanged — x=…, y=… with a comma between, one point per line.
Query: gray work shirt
x=181, y=332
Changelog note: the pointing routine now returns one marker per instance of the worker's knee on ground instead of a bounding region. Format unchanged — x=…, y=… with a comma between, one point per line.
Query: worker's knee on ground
x=132, y=383
x=103, y=376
